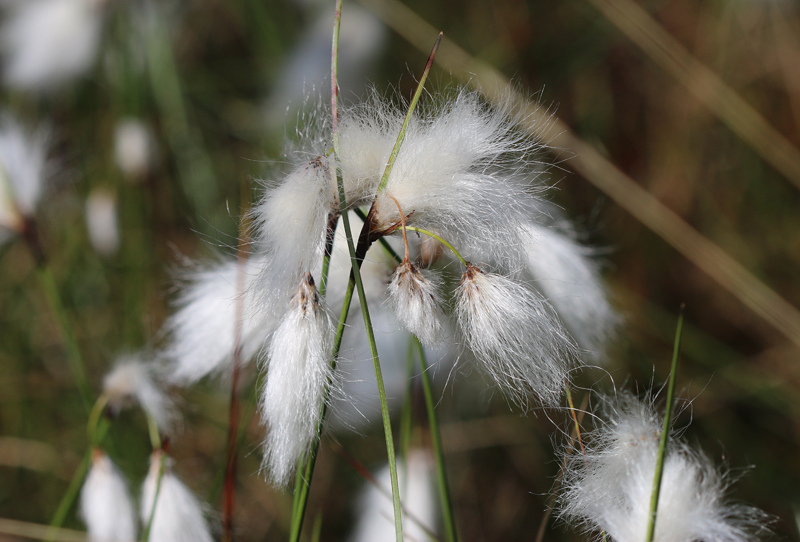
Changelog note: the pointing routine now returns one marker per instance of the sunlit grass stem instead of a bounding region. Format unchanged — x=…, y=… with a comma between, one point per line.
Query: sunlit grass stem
x=436, y=440
x=662, y=447
x=409, y=114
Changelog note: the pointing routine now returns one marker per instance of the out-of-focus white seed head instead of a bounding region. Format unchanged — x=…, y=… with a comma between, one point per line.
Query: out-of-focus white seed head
x=106, y=505
x=49, y=42
x=23, y=160
x=515, y=336
x=134, y=148
x=291, y=222
x=297, y=373
x=564, y=271
x=416, y=303
x=376, y=515
x=178, y=515
x=101, y=221
x=202, y=332
x=608, y=487
x=132, y=381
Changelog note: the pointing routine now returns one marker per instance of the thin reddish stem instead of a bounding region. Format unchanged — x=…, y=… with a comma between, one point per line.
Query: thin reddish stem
x=234, y=412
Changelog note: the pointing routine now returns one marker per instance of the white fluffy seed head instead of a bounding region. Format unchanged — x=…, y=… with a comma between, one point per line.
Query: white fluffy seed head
x=297, y=373
x=106, y=505
x=569, y=278
x=465, y=171
x=202, y=332
x=416, y=302
x=101, y=221
x=178, y=515
x=23, y=160
x=608, y=488
x=134, y=148
x=291, y=222
x=515, y=336
x=49, y=42
x=133, y=381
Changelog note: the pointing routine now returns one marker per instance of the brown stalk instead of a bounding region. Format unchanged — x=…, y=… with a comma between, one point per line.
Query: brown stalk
x=575, y=434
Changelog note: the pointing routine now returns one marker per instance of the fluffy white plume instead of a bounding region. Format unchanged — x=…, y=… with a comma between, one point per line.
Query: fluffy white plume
x=178, y=515
x=565, y=273
x=132, y=381
x=202, y=332
x=106, y=505
x=298, y=371
x=367, y=133
x=515, y=335
x=22, y=171
x=101, y=221
x=416, y=302
x=291, y=222
x=609, y=487
x=376, y=514
x=49, y=42
x=134, y=148
x=464, y=172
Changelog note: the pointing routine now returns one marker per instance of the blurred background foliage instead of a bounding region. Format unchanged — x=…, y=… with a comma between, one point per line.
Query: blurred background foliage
x=212, y=80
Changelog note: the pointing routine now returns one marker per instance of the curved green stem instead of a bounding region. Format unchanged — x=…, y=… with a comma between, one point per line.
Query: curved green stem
x=149, y=527
x=67, y=332
x=436, y=440
x=155, y=434
x=662, y=448
x=94, y=418
x=442, y=241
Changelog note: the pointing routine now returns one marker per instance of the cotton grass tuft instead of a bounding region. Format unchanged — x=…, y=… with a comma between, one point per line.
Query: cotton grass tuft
x=106, y=505
x=609, y=487
x=515, y=336
x=298, y=370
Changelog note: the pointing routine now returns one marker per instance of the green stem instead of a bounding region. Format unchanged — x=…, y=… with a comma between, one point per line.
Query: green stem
x=185, y=140
x=67, y=333
x=155, y=435
x=362, y=298
x=406, y=414
x=316, y=530
x=436, y=440
x=442, y=241
x=412, y=106
x=330, y=237
x=662, y=447
x=94, y=418
x=161, y=465
x=69, y=497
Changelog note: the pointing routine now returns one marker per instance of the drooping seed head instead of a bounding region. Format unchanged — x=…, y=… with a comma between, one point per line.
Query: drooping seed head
x=416, y=302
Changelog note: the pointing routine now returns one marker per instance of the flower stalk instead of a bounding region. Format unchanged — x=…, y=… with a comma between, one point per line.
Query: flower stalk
x=662, y=447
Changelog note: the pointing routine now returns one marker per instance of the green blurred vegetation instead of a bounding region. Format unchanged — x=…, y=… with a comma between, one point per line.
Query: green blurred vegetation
x=203, y=95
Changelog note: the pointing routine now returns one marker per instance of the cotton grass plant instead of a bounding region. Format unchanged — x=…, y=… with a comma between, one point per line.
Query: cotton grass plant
x=488, y=270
